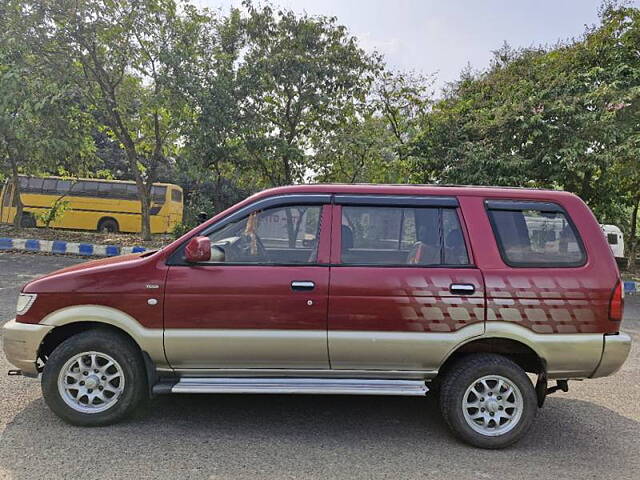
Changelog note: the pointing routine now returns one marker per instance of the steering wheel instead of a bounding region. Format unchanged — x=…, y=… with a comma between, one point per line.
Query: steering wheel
x=241, y=250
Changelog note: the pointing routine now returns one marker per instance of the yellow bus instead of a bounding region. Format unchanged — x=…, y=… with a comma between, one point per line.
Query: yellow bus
x=103, y=205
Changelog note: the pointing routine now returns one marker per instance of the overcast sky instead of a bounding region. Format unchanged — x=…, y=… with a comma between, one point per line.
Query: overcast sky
x=431, y=36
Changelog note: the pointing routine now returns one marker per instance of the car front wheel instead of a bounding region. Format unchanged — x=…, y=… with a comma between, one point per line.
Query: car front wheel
x=488, y=401
x=94, y=378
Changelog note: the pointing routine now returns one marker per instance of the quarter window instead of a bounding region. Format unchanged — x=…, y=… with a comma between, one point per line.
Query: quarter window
x=373, y=235
x=537, y=238
x=280, y=235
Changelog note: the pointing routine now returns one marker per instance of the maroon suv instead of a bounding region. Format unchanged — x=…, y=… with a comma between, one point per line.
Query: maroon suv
x=340, y=289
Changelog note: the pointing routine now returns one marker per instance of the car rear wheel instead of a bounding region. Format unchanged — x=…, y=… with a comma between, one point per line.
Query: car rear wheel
x=94, y=378
x=488, y=401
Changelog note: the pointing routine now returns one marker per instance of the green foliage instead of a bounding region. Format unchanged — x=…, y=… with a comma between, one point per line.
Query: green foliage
x=300, y=77
x=55, y=213
x=565, y=117
x=229, y=103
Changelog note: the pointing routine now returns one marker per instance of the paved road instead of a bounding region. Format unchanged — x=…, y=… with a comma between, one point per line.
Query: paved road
x=591, y=432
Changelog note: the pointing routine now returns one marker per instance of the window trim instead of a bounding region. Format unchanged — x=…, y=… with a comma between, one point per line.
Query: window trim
x=543, y=207
x=423, y=202
x=177, y=257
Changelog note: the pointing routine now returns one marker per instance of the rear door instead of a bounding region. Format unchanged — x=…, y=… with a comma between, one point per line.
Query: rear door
x=404, y=289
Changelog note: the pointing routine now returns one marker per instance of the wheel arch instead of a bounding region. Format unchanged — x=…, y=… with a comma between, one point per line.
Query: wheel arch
x=107, y=218
x=520, y=352
x=71, y=320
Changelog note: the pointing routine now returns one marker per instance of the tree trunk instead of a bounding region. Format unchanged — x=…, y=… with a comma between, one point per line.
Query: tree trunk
x=144, y=193
x=633, y=242
x=17, y=201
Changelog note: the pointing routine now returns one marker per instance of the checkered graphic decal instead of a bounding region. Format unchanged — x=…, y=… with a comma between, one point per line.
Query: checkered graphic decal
x=426, y=305
x=406, y=301
x=548, y=304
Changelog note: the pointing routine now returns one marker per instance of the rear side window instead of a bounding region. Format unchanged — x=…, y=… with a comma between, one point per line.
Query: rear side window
x=612, y=238
x=396, y=236
x=536, y=237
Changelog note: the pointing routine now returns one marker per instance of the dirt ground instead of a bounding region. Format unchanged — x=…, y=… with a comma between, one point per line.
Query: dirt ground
x=124, y=239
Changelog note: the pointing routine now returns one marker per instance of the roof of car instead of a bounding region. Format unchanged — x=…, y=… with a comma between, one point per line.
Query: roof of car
x=443, y=190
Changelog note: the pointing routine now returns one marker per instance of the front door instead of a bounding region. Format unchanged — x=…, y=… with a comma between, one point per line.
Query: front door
x=404, y=290
x=262, y=300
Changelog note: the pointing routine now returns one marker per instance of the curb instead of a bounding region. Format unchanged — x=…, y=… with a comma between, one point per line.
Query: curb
x=73, y=248
x=631, y=288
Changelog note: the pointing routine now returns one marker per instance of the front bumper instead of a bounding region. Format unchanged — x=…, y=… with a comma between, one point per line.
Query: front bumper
x=21, y=344
x=614, y=352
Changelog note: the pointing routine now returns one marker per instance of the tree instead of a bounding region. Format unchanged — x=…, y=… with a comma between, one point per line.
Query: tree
x=43, y=121
x=118, y=49
x=204, y=76
x=562, y=117
x=300, y=76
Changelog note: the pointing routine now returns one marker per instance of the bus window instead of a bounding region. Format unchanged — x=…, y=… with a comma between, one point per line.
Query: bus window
x=104, y=189
x=118, y=190
x=90, y=188
x=35, y=185
x=49, y=185
x=131, y=192
x=63, y=187
x=158, y=194
x=176, y=195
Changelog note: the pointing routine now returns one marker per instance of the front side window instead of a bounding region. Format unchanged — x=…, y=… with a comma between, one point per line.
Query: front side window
x=279, y=235
x=373, y=235
x=536, y=238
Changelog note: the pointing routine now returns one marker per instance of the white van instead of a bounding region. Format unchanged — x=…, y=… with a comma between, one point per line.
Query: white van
x=615, y=240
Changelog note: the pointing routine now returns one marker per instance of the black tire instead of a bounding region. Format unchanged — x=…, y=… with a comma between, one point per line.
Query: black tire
x=108, y=225
x=28, y=221
x=102, y=341
x=462, y=375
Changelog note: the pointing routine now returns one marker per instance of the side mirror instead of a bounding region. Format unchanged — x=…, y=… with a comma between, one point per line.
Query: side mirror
x=198, y=250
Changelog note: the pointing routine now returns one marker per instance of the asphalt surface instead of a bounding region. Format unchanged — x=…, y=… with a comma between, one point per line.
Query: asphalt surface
x=591, y=432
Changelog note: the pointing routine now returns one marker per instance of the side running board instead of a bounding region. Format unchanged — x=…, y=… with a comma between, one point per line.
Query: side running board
x=326, y=386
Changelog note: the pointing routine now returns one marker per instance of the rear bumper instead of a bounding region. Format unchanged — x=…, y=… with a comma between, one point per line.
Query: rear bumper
x=614, y=352
x=21, y=344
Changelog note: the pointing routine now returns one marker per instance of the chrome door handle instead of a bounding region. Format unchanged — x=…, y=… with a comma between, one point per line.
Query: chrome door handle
x=302, y=285
x=462, y=288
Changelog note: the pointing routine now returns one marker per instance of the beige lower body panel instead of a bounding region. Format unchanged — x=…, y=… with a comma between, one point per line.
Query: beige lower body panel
x=306, y=352
x=246, y=348
x=274, y=353
x=370, y=350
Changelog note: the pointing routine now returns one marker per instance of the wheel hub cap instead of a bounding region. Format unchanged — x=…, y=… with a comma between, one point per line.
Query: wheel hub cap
x=492, y=405
x=91, y=382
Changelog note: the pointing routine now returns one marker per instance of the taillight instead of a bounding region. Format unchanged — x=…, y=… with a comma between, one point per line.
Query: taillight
x=616, y=304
